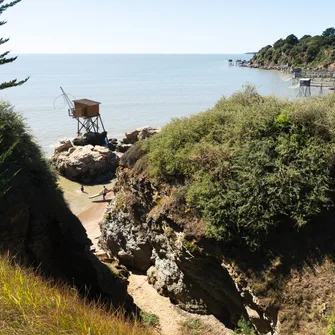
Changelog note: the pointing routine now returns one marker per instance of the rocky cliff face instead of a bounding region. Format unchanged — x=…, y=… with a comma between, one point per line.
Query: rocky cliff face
x=145, y=233
x=282, y=295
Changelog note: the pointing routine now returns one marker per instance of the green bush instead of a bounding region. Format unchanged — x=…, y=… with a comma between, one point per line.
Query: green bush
x=149, y=319
x=250, y=163
x=244, y=327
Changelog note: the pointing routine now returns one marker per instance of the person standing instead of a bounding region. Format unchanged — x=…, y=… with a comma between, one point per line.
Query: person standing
x=104, y=192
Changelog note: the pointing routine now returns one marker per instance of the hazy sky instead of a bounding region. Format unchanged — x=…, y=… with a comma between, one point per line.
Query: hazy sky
x=159, y=26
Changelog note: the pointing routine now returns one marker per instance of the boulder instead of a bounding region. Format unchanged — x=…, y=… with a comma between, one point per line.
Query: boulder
x=63, y=146
x=90, y=138
x=86, y=164
x=140, y=134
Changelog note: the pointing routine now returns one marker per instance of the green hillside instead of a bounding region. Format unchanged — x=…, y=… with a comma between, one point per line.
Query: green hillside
x=308, y=51
x=248, y=165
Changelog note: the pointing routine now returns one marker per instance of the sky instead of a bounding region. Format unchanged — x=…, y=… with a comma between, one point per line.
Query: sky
x=159, y=26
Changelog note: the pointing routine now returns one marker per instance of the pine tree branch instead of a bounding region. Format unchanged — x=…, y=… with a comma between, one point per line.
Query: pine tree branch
x=11, y=4
x=3, y=59
x=7, y=60
x=12, y=83
x=3, y=40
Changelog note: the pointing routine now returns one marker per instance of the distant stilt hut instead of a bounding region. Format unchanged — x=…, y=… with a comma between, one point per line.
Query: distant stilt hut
x=87, y=114
x=304, y=87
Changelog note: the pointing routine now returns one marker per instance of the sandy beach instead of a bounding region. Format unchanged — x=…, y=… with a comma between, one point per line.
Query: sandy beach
x=89, y=211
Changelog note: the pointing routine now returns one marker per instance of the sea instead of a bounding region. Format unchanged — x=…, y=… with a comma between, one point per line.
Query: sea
x=134, y=90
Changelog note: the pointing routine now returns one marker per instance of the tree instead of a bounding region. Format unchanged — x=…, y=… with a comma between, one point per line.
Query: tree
x=279, y=43
x=329, y=32
x=3, y=56
x=291, y=39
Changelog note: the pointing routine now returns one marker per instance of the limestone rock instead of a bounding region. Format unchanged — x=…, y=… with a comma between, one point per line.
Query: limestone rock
x=63, y=146
x=140, y=134
x=86, y=163
x=141, y=241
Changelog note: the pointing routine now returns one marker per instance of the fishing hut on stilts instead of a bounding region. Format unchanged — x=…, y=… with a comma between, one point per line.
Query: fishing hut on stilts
x=304, y=88
x=87, y=114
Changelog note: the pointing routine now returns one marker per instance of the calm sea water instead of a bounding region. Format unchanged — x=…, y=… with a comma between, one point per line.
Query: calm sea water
x=134, y=90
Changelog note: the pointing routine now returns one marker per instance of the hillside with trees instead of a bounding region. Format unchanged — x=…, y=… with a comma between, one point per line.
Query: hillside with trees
x=308, y=51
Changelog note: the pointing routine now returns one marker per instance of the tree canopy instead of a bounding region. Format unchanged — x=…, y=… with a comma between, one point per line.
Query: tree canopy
x=3, y=56
x=329, y=32
x=318, y=51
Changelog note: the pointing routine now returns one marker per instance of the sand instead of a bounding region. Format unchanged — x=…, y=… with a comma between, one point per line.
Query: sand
x=89, y=211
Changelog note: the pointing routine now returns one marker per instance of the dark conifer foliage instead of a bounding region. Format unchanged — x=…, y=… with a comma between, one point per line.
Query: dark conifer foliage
x=3, y=56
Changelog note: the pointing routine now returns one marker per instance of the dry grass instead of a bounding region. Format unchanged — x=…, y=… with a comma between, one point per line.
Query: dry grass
x=308, y=300
x=30, y=305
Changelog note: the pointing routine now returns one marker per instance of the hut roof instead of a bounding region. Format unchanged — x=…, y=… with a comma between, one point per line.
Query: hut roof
x=87, y=102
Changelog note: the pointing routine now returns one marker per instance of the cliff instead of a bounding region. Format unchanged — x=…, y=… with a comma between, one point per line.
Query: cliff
x=308, y=51
x=230, y=212
x=36, y=224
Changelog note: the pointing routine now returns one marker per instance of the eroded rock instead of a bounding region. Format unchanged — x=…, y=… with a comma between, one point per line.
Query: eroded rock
x=140, y=134
x=142, y=238
x=85, y=163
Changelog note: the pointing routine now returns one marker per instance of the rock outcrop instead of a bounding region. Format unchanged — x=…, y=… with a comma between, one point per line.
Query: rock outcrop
x=140, y=134
x=135, y=136
x=85, y=164
x=144, y=236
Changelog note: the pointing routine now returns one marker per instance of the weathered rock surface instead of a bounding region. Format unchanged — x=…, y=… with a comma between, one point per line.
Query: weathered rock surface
x=144, y=237
x=140, y=134
x=85, y=163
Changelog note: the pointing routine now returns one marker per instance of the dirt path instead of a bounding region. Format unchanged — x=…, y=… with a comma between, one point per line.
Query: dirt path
x=171, y=318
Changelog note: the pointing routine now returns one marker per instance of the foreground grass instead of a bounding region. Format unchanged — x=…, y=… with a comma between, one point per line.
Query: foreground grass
x=30, y=305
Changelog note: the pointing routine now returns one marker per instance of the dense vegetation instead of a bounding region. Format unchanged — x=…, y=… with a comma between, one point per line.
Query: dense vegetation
x=312, y=51
x=17, y=145
x=247, y=165
x=31, y=305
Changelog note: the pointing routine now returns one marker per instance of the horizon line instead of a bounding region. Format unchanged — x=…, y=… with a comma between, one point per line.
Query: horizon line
x=122, y=53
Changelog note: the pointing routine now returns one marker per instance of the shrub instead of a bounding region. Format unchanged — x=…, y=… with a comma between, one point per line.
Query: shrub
x=244, y=327
x=250, y=163
x=149, y=319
